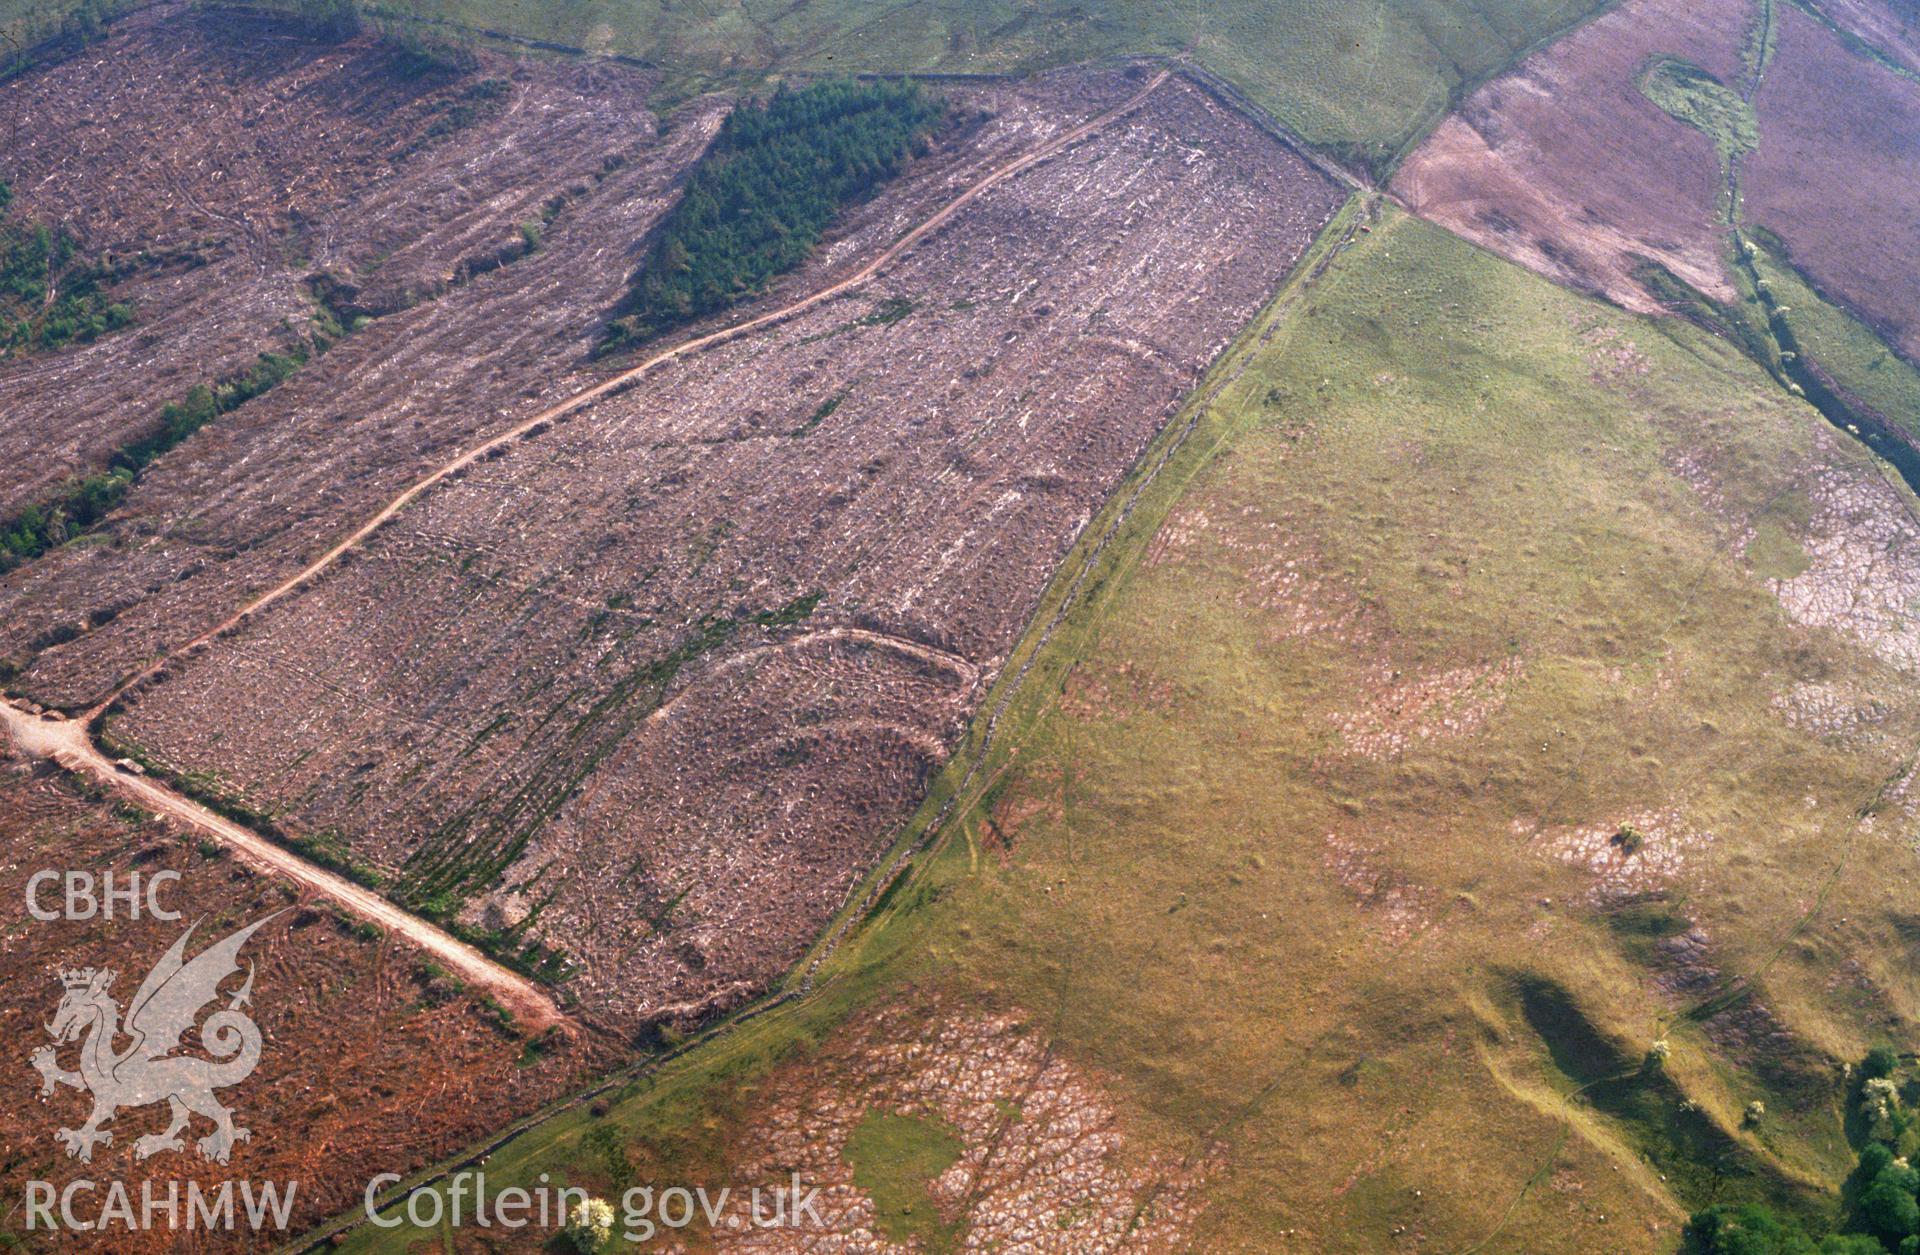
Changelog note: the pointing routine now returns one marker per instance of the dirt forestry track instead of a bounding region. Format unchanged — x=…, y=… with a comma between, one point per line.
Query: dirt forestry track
x=377, y=1056
x=65, y=742
x=627, y=378
x=640, y=680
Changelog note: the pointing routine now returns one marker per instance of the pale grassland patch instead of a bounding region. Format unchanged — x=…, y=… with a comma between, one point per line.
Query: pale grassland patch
x=1613, y=355
x=1098, y=691
x=1899, y=812
x=1694, y=467
x=1287, y=582
x=1181, y=531
x=1839, y=711
x=1397, y=908
x=1402, y=708
x=1863, y=565
x=1636, y=854
x=1043, y=1160
x=1300, y=597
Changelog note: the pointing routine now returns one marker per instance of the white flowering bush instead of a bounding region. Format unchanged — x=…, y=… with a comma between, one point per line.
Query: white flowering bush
x=1880, y=1105
x=590, y=1225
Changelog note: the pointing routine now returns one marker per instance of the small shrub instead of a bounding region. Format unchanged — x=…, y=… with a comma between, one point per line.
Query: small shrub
x=50, y=295
x=1880, y=1061
x=590, y=1225
x=605, y=1140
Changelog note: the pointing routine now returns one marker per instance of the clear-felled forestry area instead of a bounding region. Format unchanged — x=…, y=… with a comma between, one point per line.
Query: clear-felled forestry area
x=643, y=694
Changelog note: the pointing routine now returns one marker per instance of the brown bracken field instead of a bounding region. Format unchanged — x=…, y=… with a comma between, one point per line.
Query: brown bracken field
x=348, y=1017
x=1837, y=175
x=1564, y=166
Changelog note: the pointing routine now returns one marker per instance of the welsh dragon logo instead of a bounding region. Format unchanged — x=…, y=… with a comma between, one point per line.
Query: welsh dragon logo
x=165, y=1006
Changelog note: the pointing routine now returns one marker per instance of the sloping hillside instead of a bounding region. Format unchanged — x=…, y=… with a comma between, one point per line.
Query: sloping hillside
x=1492, y=686
x=1016, y=648
x=651, y=689
x=1365, y=78
x=260, y=191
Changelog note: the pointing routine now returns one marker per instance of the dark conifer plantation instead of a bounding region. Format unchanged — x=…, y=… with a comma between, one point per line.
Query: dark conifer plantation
x=761, y=197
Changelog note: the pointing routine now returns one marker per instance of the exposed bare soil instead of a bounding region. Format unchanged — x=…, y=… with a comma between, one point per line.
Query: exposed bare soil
x=1863, y=565
x=1045, y=1159
x=247, y=162
x=347, y=1016
x=1837, y=174
x=1564, y=166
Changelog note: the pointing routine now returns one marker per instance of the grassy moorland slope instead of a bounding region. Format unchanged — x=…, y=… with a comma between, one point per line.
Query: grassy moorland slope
x=1364, y=78
x=1494, y=685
